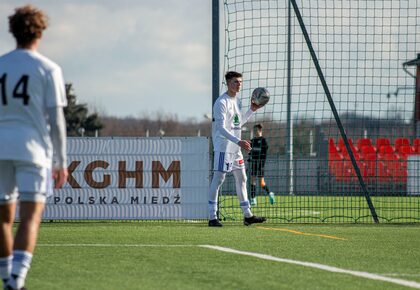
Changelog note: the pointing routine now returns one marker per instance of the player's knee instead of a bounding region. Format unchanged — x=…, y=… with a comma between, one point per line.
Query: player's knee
x=219, y=177
x=253, y=180
x=240, y=176
x=6, y=216
x=262, y=183
x=222, y=177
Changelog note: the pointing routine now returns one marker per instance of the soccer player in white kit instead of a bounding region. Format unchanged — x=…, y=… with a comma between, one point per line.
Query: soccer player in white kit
x=226, y=132
x=32, y=124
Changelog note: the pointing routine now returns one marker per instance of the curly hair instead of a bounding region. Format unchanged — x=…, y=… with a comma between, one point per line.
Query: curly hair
x=27, y=24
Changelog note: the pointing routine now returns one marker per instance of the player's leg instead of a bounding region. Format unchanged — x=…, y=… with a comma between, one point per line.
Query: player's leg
x=216, y=182
x=219, y=173
x=261, y=167
x=253, y=182
x=267, y=190
x=253, y=189
x=30, y=218
x=263, y=185
x=239, y=173
x=8, y=197
x=25, y=240
x=7, y=215
x=32, y=183
x=241, y=191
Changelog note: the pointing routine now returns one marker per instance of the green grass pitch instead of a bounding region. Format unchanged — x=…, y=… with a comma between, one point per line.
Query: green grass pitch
x=166, y=255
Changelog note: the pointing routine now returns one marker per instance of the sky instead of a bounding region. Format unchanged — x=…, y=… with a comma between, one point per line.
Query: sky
x=129, y=58
x=149, y=58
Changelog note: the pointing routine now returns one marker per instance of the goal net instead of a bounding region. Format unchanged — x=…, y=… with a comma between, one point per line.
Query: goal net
x=341, y=124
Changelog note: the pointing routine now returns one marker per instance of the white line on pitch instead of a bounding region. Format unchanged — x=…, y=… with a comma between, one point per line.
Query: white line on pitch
x=400, y=274
x=367, y=275
x=113, y=245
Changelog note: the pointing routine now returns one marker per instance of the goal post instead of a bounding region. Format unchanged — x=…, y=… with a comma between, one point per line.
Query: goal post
x=338, y=91
x=334, y=111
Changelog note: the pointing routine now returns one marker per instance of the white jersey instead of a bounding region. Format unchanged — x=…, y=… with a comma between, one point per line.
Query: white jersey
x=29, y=84
x=227, y=122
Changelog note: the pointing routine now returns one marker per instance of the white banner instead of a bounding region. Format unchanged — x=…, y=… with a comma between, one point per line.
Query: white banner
x=133, y=178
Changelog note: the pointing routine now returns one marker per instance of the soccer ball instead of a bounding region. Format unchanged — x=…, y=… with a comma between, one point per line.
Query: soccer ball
x=260, y=96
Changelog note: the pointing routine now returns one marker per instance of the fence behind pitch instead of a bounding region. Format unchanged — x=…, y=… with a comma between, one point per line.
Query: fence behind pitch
x=360, y=48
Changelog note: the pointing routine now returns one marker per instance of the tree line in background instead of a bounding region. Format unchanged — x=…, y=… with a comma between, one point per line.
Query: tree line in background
x=309, y=136
x=82, y=123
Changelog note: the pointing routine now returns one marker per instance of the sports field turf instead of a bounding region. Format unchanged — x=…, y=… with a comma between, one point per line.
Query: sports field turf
x=170, y=255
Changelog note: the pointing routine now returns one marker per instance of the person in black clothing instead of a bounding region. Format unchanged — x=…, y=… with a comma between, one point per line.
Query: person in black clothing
x=257, y=157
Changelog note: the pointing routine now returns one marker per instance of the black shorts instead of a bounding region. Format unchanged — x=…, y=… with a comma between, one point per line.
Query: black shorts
x=257, y=168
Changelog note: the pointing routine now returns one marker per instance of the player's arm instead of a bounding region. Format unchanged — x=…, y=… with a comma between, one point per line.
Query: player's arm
x=58, y=138
x=219, y=113
x=264, y=148
x=56, y=100
x=265, y=144
x=248, y=114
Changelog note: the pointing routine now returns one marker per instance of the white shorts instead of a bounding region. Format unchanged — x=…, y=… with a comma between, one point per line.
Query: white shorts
x=226, y=162
x=25, y=180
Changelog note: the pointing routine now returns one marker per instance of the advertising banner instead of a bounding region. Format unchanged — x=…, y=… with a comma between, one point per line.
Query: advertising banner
x=133, y=178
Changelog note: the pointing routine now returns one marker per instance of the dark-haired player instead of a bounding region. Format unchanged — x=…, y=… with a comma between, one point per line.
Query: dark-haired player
x=227, y=143
x=257, y=158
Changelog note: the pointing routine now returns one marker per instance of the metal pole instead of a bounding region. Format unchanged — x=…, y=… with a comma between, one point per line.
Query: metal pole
x=215, y=60
x=416, y=117
x=215, y=51
x=417, y=109
x=289, y=134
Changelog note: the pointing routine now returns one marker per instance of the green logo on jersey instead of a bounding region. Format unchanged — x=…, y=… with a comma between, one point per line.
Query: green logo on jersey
x=236, y=121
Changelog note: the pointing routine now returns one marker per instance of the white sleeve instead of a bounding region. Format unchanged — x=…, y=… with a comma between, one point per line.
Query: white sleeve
x=219, y=114
x=55, y=93
x=58, y=135
x=246, y=116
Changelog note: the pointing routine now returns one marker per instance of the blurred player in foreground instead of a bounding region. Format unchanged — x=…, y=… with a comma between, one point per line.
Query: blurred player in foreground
x=227, y=122
x=32, y=124
x=257, y=157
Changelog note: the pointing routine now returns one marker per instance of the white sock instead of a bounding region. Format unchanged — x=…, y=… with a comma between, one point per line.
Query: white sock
x=216, y=182
x=246, y=209
x=241, y=192
x=5, y=267
x=212, y=210
x=21, y=264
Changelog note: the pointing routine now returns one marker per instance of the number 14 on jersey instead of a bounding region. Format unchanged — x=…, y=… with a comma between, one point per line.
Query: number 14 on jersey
x=20, y=90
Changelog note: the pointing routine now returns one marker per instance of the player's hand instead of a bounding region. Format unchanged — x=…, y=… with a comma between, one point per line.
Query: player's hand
x=255, y=107
x=60, y=177
x=244, y=144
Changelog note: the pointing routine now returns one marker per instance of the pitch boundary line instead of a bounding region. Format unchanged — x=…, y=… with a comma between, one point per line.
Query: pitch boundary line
x=366, y=275
x=327, y=268
x=400, y=274
x=302, y=233
x=116, y=245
